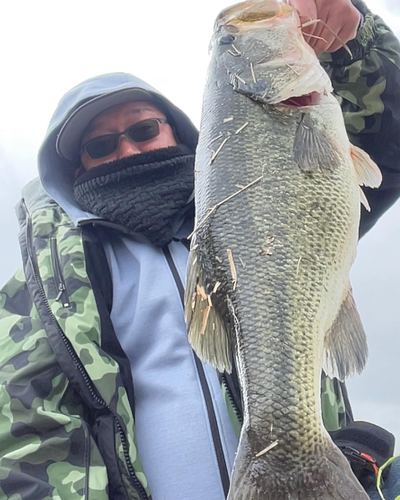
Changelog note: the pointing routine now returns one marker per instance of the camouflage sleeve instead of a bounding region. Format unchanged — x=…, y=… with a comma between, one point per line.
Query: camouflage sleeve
x=45, y=448
x=336, y=409
x=367, y=87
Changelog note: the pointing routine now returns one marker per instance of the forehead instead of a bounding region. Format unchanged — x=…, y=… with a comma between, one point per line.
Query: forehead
x=122, y=111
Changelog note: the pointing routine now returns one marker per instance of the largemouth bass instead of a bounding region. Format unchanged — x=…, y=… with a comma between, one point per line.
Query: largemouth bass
x=277, y=216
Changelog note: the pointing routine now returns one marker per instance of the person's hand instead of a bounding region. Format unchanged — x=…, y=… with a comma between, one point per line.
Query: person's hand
x=340, y=18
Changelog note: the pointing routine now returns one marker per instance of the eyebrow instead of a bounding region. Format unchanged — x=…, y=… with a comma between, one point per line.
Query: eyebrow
x=92, y=127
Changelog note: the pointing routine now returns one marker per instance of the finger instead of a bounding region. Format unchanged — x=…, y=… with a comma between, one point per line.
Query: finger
x=319, y=28
x=334, y=47
x=337, y=44
x=306, y=38
x=349, y=31
x=321, y=43
x=323, y=37
x=305, y=8
x=343, y=27
x=324, y=14
x=310, y=38
x=307, y=28
x=318, y=44
x=344, y=36
x=308, y=33
x=307, y=12
x=330, y=29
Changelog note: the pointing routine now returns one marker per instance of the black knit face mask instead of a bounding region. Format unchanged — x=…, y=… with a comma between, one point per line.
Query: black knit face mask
x=144, y=193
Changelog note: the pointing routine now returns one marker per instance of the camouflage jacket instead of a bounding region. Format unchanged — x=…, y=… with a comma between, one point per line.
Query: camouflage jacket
x=67, y=427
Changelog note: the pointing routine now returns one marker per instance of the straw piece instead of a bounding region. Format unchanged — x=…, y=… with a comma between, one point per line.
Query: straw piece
x=233, y=268
x=267, y=449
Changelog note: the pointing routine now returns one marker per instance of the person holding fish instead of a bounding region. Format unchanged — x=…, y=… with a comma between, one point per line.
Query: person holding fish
x=101, y=393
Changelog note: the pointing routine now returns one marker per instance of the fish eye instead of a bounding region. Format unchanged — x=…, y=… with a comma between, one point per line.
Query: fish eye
x=226, y=39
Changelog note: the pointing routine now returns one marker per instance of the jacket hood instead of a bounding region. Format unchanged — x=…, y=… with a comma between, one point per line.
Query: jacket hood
x=57, y=173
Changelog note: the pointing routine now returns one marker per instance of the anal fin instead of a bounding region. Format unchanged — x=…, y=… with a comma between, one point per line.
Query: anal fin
x=364, y=199
x=346, y=349
x=207, y=331
x=368, y=173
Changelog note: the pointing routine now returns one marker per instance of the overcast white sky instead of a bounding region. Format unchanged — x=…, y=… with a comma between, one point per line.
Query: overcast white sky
x=48, y=47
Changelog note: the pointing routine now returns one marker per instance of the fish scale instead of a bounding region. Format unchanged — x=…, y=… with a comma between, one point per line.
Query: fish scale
x=288, y=216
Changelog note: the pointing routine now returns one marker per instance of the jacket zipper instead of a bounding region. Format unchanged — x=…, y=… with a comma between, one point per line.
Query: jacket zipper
x=238, y=413
x=58, y=277
x=87, y=457
x=138, y=485
x=206, y=390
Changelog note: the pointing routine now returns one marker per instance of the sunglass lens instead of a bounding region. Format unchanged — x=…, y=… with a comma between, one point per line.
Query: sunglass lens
x=143, y=131
x=101, y=146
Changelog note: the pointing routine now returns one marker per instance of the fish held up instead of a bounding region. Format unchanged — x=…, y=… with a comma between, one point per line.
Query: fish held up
x=277, y=214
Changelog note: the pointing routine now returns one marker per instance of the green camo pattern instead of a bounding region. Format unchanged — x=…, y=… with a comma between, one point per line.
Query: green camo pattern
x=47, y=451
x=361, y=83
x=42, y=426
x=333, y=405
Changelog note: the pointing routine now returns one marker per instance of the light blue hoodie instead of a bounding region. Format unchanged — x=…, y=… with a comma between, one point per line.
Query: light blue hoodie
x=174, y=433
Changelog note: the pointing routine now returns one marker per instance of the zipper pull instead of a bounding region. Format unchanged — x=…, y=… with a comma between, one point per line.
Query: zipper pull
x=61, y=290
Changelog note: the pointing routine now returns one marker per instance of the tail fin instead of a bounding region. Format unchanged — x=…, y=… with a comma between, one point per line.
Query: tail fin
x=269, y=477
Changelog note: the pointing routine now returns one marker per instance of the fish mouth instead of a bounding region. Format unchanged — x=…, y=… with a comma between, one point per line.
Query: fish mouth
x=252, y=13
x=311, y=99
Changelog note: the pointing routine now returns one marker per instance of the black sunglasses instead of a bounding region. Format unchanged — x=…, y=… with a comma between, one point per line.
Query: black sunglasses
x=142, y=131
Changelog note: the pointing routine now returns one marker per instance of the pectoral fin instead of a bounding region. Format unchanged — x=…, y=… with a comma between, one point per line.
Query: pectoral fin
x=207, y=332
x=313, y=149
x=346, y=349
